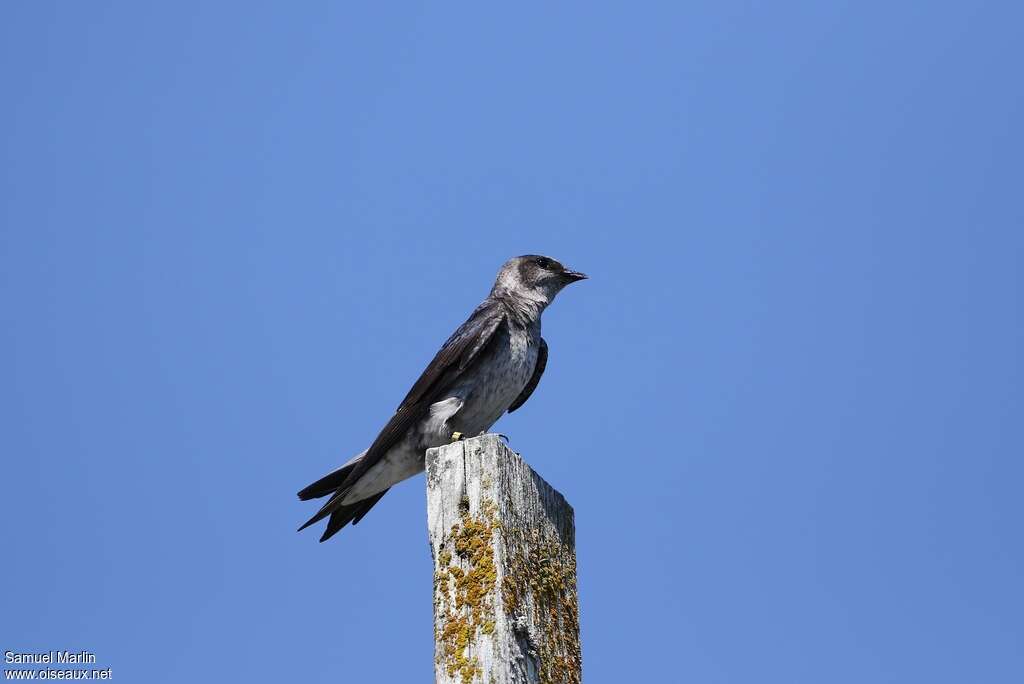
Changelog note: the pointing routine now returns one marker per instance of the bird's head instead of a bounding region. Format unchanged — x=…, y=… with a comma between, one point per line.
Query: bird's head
x=534, y=278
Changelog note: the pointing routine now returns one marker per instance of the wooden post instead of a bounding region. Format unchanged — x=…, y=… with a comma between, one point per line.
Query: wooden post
x=503, y=542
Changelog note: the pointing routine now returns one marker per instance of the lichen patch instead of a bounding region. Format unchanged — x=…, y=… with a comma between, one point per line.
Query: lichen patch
x=464, y=585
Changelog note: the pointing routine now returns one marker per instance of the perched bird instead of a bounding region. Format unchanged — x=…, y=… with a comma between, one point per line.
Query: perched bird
x=490, y=365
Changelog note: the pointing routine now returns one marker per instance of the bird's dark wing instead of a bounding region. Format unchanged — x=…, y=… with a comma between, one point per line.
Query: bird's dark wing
x=441, y=373
x=538, y=370
x=457, y=353
x=451, y=361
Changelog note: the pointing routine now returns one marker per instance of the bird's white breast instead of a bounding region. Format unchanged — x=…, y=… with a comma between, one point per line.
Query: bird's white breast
x=497, y=381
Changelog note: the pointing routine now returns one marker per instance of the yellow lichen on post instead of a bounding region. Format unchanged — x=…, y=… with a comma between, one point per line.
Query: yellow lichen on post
x=466, y=589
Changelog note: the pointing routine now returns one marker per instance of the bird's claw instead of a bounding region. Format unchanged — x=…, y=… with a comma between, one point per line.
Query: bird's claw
x=485, y=432
x=458, y=436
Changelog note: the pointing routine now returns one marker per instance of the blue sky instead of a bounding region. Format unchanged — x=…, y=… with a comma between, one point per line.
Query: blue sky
x=786, y=407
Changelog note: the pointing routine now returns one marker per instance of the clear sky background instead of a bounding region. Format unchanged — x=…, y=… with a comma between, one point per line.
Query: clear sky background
x=787, y=407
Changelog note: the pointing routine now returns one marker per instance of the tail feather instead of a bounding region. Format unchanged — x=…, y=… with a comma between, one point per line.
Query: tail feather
x=333, y=504
x=335, y=484
x=329, y=483
x=352, y=513
x=367, y=504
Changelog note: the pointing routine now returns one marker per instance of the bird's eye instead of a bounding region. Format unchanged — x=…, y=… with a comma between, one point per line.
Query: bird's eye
x=544, y=262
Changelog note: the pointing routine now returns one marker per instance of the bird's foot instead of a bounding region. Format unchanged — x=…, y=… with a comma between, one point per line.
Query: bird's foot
x=504, y=437
x=459, y=436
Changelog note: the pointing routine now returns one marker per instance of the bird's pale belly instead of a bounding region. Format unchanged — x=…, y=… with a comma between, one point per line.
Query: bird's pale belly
x=484, y=402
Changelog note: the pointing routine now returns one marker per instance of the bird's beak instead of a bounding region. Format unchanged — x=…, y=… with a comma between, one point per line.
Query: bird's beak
x=573, y=276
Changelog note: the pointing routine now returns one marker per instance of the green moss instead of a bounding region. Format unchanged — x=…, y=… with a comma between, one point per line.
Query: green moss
x=542, y=578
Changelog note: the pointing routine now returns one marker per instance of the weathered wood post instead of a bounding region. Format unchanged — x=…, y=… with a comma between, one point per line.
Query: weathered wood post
x=503, y=541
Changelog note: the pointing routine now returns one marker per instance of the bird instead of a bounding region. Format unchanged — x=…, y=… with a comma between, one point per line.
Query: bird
x=491, y=364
